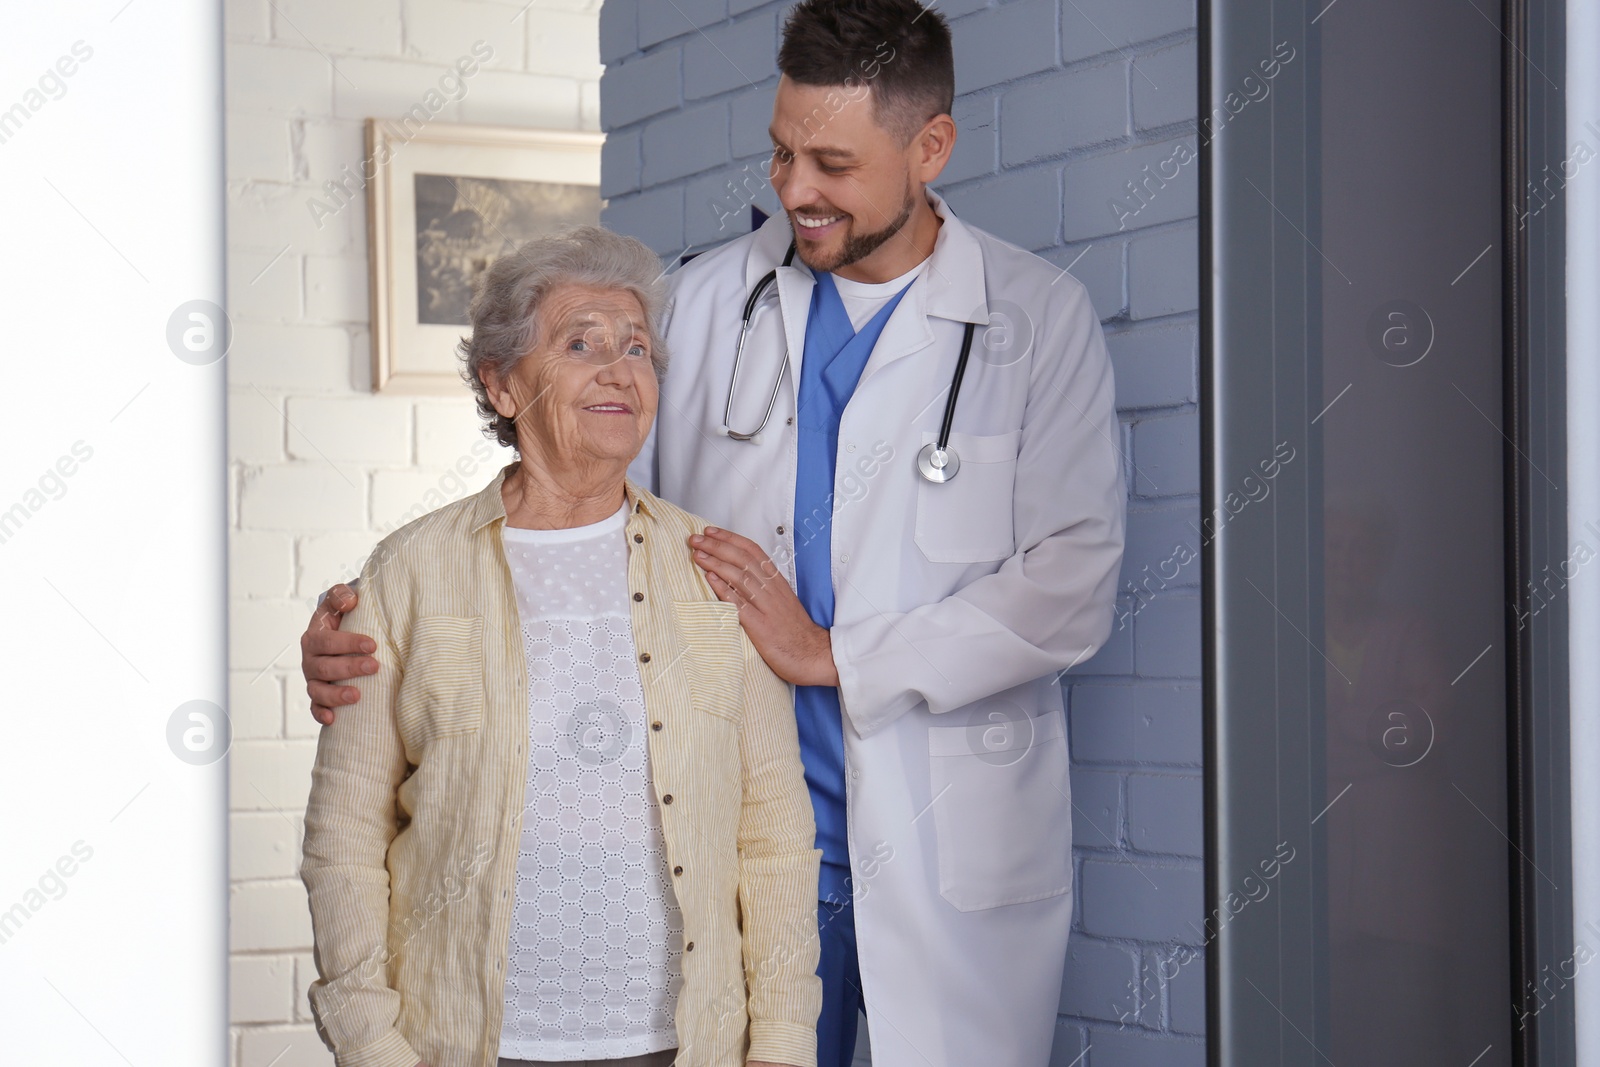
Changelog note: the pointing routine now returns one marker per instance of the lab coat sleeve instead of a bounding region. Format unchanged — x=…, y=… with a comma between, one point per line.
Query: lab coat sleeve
x=1048, y=606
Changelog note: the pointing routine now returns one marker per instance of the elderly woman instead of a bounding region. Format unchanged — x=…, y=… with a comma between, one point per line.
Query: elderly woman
x=566, y=821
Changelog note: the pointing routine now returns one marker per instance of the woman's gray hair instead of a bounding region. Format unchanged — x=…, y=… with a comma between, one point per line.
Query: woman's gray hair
x=506, y=299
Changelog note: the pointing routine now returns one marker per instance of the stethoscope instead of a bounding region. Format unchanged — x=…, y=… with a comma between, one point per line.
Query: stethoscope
x=937, y=461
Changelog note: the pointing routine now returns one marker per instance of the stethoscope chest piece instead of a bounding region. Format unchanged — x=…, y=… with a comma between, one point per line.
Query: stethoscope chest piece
x=938, y=464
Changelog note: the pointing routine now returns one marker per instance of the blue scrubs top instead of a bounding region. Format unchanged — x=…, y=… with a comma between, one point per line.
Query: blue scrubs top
x=835, y=355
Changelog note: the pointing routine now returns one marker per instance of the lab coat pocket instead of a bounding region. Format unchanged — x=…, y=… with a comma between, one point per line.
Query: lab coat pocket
x=1001, y=833
x=442, y=691
x=713, y=655
x=968, y=518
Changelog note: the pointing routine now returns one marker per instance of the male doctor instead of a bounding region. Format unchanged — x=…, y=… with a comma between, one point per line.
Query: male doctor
x=923, y=600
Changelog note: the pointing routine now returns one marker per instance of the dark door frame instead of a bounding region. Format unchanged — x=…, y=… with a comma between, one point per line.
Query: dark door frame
x=1534, y=420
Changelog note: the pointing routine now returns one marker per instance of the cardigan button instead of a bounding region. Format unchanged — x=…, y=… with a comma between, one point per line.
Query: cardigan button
x=644, y=657
x=655, y=726
x=637, y=597
x=677, y=870
x=638, y=539
x=667, y=799
x=689, y=947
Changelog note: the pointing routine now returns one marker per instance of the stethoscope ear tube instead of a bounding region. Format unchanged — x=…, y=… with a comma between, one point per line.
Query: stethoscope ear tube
x=955, y=386
x=750, y=303
x=938, y=462
x=755, y=294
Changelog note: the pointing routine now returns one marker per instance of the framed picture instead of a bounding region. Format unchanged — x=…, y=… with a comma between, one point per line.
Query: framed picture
x=445, y=202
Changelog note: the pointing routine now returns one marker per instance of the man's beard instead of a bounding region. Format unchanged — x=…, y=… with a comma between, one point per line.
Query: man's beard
x=858, y=246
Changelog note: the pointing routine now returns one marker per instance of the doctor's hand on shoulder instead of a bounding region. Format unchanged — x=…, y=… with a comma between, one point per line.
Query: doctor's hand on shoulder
x=740, y=573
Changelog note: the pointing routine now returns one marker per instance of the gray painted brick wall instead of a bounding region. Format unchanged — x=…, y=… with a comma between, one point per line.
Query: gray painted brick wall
x=1076, y=141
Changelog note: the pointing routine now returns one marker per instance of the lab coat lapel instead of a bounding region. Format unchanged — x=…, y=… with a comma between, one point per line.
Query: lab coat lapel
x=951, y=287
x=766, y=251
x=794, y=297
x=907, y=331
x=954, y=286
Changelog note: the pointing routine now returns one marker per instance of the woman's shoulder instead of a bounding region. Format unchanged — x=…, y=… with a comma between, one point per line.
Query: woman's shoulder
x=667, y=513
x=676, y=524
x=422, y=539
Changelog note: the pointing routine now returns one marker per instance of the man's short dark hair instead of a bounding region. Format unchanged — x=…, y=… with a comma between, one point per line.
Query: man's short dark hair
x=897, y=47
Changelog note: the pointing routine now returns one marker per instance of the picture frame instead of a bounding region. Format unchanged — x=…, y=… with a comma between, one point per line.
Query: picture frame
x=444, y=201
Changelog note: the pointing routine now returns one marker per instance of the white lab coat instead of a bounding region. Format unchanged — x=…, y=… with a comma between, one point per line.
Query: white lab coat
x=957, y=605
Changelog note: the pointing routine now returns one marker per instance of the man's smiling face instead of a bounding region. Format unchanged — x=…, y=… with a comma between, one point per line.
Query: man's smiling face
x=847, y=183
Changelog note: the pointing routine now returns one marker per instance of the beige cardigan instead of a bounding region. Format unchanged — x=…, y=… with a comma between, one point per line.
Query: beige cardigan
x=414, y=822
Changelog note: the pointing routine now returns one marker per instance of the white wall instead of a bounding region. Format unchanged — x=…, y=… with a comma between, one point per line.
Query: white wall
x=319, y=466
x=111, y=536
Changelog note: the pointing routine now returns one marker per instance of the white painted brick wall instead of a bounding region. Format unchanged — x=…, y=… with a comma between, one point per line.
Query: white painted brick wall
x=321, y=467
x=260, y=988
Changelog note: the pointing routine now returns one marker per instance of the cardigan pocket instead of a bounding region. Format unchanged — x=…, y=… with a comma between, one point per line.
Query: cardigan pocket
x=442, y=690
x=713, y=656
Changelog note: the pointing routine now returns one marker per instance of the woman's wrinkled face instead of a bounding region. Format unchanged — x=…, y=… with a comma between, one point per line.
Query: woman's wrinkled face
x=587, y=392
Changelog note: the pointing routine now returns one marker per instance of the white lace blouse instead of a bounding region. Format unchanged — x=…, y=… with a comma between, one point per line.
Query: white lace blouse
x=596, y=936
